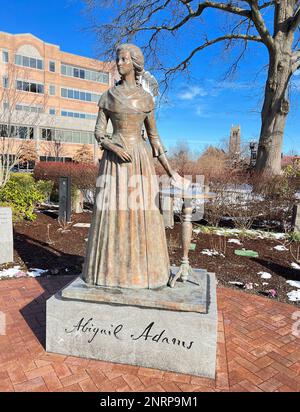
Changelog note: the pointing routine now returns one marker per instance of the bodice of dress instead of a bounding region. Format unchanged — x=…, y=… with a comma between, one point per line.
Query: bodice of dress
x=128, y=113
x=129, y=125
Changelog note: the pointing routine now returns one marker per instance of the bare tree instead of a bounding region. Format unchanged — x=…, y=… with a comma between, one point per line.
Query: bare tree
x=274, y=24
x=53, y=148
x=84, y=155
x=16, y=109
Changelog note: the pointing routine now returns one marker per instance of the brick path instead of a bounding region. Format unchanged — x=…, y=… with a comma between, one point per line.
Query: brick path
x=256, y=349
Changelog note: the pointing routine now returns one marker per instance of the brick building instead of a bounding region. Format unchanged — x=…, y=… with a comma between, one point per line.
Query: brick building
x=49, y=96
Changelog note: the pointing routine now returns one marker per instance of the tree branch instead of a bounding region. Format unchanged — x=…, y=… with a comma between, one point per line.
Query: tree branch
x=225, y=7
x=182, y=65
x=260, y=24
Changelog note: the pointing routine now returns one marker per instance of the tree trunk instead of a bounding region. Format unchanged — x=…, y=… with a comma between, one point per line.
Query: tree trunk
x=276, y=105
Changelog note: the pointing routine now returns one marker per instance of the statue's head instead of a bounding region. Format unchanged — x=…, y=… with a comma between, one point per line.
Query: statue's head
x=132, y=57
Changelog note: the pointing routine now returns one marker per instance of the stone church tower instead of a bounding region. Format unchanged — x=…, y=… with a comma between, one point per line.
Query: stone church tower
x=235, y=141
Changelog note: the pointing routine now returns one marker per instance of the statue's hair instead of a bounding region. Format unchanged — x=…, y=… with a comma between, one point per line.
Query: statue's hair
x=137, y=58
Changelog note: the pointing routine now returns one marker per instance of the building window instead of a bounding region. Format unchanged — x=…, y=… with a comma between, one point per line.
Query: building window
x=52, y=66
x=52, y=90
x=20, y=132
x=31, y=62
x=78, y=115
x=48, y=134
x=5, y=81
x=52, y=111
x=80, y=95
x=25, y=132
x=5, y=105
x=85, y=74
x=27, y=86
x=31, y=109
x=5, y=56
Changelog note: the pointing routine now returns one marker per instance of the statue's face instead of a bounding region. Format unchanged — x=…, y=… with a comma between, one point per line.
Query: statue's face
x=124, y=62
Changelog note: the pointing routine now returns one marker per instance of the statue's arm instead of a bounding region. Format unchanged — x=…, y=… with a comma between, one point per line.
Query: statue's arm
x=100, y=130
x=158, y=149
x=104, y=141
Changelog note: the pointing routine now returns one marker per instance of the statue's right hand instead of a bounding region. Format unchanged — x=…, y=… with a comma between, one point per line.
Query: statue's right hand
x=122, y=154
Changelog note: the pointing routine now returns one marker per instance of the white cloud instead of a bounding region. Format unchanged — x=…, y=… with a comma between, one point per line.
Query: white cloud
x=191, y=93
x=229, y=85
x=202, y=111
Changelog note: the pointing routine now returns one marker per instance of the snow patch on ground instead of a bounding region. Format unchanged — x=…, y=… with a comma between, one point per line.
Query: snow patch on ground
x=294, y=296
x=265, y=275
x=82, y=225
x=259, y=234
x=209, y=252
x=294, y=283
x=295, y=265
x=234, y=241
x=35, y=273
x=280, y=248
x=16, y=272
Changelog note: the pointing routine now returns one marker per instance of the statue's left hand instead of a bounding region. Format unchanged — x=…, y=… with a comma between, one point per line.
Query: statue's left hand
x=179, y=181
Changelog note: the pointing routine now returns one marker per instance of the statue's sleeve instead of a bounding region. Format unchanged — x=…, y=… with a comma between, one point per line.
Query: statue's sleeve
x=154, y=139
x=101, y=126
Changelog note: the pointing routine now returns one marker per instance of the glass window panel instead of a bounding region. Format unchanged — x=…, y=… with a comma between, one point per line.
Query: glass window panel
x=75, y=72
x=26, y=62
x=64, y=113
x=76, y=115
x=52, y=90
x=40, y=88
x=18, y=60
x=88, y=97
x=32, y=63
x=52, y=66
x=5, y=82
x=33, y=87
x=82, y=74
x=70, y=94
x=19, y=85
x=26, y=86
x=63, y=69
x=68, y=136
x=106, y=78
x=5, y=56
x=23, y=132
x=64, y=92
x=76, y=137
x=40, y=64
x=76, y=94
x=82, y=96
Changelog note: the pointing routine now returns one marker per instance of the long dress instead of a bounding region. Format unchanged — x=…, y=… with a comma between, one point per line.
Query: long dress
x=127, y=243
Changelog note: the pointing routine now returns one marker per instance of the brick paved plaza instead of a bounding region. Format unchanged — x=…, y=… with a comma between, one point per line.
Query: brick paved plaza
x=256, y=349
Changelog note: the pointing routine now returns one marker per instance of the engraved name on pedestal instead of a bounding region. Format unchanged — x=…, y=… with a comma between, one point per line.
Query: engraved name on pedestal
x=6, y=236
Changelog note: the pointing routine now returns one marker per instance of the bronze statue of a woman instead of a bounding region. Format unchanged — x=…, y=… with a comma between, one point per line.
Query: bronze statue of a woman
x=127, y=244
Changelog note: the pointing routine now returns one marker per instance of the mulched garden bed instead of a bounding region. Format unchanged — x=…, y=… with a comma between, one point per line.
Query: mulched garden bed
x=45, y=244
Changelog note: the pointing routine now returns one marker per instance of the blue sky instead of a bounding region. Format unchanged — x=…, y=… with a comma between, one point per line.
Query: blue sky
x=200, y=110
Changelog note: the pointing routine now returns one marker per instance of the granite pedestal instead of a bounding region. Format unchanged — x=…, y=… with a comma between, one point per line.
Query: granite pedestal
x=84, y=323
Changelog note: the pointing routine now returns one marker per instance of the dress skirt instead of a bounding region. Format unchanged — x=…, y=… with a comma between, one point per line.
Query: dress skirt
x=127, y=245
